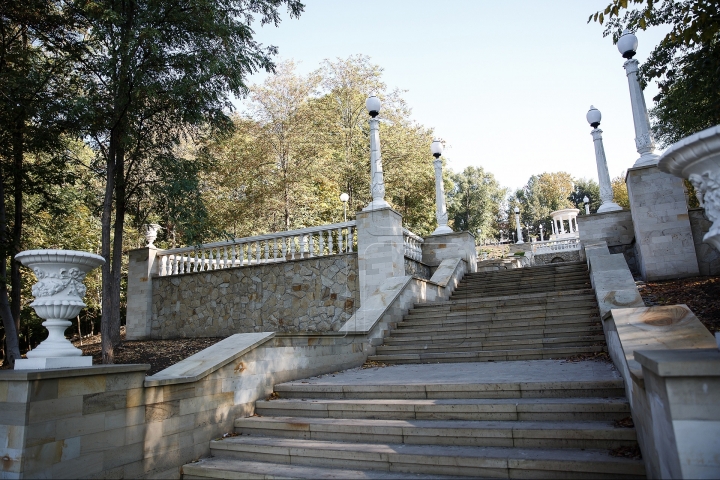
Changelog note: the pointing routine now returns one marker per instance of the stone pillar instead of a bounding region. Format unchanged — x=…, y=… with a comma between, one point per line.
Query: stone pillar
x=437, y=248
x=606, y=193
x=381, y=250
x=664, y=241
x=377, y=182
x=441, y=211
x=141, y=268
x=643, y=138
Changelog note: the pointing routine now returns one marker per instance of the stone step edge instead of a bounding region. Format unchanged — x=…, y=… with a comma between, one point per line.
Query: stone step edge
x=218, y=467
x=565, y=293
x=591, y=461
x=519, y=352
x=429, y=347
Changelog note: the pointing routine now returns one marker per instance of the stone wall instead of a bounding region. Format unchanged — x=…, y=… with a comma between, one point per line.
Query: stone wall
x=708, y=258
x=557, y=257
x=615, y=228
x=308, y=295
x=414, y=268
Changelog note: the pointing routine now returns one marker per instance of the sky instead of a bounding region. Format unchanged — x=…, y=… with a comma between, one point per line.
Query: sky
x=506, y=83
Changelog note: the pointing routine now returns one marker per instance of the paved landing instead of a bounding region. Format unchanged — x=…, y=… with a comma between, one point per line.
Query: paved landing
x=528, y=371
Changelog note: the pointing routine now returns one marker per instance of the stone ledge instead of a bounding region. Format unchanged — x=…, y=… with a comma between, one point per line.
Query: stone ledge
x=681, y=362
x=209, y=360
x=20, y=375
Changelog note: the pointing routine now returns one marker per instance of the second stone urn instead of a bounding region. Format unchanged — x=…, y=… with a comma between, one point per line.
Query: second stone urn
x=697, y=158
x=58, y=298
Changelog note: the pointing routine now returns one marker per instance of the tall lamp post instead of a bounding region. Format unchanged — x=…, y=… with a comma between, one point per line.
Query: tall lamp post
x=436, y=148
x=377, y=182
x=518, y=226
x=541, y=233
x=606, y=193
x=627, y=45
x=586, y=201
x=344, y=197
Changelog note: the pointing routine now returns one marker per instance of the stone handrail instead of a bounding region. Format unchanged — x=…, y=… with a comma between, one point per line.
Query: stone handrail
x=413, y=245
x=552, y=246
x=270, y=248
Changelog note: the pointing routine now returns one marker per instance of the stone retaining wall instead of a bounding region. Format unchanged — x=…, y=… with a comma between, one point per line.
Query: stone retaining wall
x=557, y=257
x=308, y=295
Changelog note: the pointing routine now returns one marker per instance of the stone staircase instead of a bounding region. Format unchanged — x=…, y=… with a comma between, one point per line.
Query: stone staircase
x=519, y=314
x=481, y=416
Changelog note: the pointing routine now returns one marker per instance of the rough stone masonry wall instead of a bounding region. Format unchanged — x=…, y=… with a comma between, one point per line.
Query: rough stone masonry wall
x=708, y=258
x=307, y=295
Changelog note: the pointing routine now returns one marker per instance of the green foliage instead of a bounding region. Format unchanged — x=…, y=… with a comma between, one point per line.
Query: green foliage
x=543, y=194
x=686, y=63
x=620, y=192
x=475, y=202
x=582, y=188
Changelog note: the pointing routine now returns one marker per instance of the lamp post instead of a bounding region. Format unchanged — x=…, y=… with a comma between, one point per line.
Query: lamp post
x=436, y=149
x=377, y=182
x=627, y=45
x=606, y=193
x=344, y=197
x=586, y=201
x=518, y=226
x=541, y=233
x=479, y=231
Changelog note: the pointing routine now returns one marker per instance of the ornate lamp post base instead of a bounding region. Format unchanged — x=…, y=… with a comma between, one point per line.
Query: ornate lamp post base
x=376, y=205
x=442, y=229
x=646, y=160
x=609, y=207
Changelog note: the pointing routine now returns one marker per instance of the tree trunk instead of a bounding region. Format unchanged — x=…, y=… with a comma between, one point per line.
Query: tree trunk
x=15, y=280
x=117, y=252
x=108, y=353
x=12, y=343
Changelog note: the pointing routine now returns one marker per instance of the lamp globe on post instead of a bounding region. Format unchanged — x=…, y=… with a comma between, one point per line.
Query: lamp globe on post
x=518, y=226
x=344, y=197
x=377, y=182
x=436, y=148
x=627, y=46
x=586, y=201
x=593, y=117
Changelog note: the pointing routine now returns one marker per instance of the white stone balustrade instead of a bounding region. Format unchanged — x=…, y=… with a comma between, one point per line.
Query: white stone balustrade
x=413, y=245
x=551, y=246
x=270, y=248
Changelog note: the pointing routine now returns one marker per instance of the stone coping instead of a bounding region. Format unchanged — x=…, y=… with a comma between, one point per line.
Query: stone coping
x=681, y=362
x=209, y=360
x=613, y=212
x=20, y=375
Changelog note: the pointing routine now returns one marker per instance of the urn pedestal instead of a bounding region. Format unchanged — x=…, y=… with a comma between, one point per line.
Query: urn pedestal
x=58, y=298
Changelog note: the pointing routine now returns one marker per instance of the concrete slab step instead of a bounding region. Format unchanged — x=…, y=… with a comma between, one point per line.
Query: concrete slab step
x=556, y=301
x=475, y=462
x=533, y=409
x=514, y=289
x=525, y=296
x=466, y=345
x=466, y=331
x=506, y=311
x=526, y=279
x=233, y=469
x=472, y=388
x=478, y=433
x=490, y=355
x=589, y=316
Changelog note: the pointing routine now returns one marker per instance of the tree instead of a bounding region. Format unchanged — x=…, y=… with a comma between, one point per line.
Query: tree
x=583, y=187
x=686, y=63
x=543, y=194
x=155, y=70
x=475, y=202
x=620, y=192
x=38, y=48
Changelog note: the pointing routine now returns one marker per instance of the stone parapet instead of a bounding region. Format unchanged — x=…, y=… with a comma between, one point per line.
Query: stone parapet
x=437, y=248
x=615, y=228
x=141, y=268
x=381, y=248
x=664, y=241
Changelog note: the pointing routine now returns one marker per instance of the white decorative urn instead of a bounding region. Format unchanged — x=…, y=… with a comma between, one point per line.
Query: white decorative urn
x=697, y=158
x=151, y=233
x=58, y=298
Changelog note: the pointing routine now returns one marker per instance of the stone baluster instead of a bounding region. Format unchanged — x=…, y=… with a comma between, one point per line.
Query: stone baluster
x=312, y=245
x=163, y=266
x=330, y=242
x=267, y=250
x=303, y=246
x=321, y=243
x=340, y=240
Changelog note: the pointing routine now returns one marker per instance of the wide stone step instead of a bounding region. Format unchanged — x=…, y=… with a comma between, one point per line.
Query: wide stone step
x=536, y=389
x=464, y=345
x=500, y=320
x=529, y=409
x=231, y=468
x=513, y=301
x=495, y=290
x=505, y=310
x=489, y=355
x=509, y=279
x=476, y=433
x=547, y=269
x=499, y=462
x=461, y=331
x=569, y=294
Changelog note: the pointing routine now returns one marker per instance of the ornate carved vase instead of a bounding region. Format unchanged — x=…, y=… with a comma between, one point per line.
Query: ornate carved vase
x=697, y=158
x=58, y=298
x=151, y=233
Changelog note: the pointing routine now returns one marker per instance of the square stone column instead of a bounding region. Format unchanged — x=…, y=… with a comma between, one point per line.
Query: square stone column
x=437, y=248
x=664, y=241
x=141, y=268
x=381, y=250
